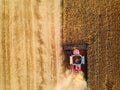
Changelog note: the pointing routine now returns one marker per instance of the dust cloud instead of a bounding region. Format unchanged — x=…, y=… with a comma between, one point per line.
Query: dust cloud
x=72, y=81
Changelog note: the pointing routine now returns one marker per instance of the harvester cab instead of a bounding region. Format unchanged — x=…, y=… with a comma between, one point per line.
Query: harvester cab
x=76, y=54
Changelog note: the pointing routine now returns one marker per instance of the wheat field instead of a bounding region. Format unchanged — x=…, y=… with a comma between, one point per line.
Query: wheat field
x=97, y=23
x=32, y=33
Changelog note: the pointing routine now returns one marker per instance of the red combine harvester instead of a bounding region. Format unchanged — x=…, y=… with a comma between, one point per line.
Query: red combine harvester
x=76, y=57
